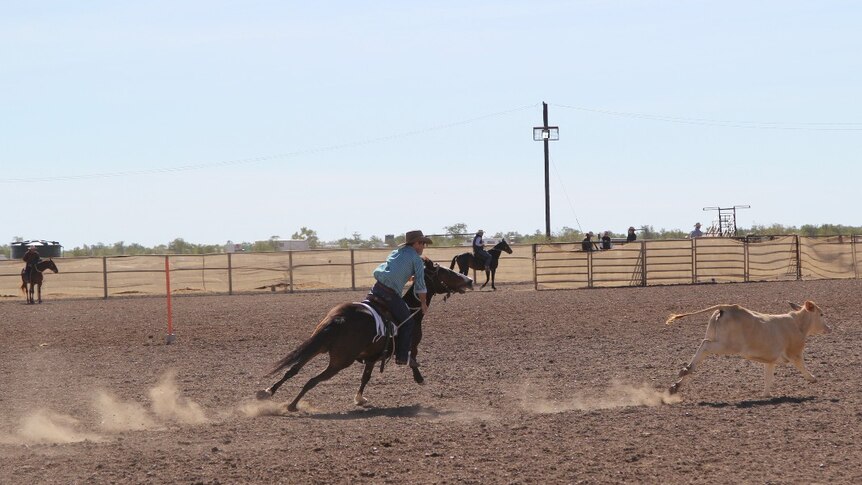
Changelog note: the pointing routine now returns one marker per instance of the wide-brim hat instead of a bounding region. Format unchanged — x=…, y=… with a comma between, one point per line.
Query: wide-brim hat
x=416, y=236
x=697, y=225
x=480, y=231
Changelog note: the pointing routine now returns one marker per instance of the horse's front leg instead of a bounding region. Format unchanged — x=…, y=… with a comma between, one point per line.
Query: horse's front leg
x=39, y=292
x=414, y=351
x=359, y=400
x=487, y=279
x=30, y=299
x=493, y=274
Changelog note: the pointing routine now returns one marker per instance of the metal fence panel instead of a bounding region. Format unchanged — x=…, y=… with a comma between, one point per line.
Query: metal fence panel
x=829, y=257
x=550, y=266
x=772, y=258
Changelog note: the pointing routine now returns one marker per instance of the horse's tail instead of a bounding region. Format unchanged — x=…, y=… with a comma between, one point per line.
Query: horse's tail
x=311, y=347
x=454, y=260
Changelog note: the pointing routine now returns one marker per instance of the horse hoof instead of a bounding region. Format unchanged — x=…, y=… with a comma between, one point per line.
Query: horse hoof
x=417, y=376
x=673, y=389
x=361, y=402
x=292, y=408
x=263, y=394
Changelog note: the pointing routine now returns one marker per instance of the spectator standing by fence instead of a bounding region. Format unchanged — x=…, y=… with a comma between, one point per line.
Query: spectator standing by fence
x=606, y=240
x=587, y=243
x=696, y=232
x=631, y=236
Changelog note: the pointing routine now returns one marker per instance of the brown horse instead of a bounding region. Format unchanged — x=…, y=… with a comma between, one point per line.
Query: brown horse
x=34, y=277
x=466, y=261
x=348, y=334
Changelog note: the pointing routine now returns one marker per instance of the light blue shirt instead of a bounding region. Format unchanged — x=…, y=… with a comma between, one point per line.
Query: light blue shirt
x=401, y=264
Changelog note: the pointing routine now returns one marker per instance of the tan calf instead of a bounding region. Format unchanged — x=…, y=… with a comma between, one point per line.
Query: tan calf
x=771, y=339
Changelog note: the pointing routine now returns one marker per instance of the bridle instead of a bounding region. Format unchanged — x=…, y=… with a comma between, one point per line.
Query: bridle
x=437, y=282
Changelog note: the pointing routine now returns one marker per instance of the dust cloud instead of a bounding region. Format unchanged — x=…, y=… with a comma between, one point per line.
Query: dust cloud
x=122, y=416
x=45, y=426
x=254, y=409
x=168, y=404
x=617, y=396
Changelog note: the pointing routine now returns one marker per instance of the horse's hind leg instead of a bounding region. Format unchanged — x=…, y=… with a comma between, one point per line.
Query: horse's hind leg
x=359, y=400
x=39, y=292
x=334, y=368
x=267, y=393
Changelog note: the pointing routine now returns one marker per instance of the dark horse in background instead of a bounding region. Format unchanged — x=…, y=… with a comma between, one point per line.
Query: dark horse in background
x=348, y=334
x=466, y=261
x=34, y=278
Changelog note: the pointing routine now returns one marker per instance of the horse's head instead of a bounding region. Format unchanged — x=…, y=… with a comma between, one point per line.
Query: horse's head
x=440, y=280
x=503, y=246
x=48, y=264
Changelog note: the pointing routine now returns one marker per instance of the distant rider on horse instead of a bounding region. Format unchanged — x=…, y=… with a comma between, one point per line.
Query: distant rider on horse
x=479, y=250
x=31, y=259
x=392, y=276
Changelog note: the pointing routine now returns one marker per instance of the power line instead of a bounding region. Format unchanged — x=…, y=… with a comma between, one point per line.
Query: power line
x=761, y=125
x=246, y=161
x=565, y=193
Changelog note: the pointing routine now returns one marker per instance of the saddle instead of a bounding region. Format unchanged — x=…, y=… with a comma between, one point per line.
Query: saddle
x=380, y=307
x=389, y=330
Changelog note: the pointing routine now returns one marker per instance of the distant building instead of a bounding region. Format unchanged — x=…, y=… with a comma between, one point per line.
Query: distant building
x=292, y=245
x=280, y=245
x=232, y=247
x=46, y=249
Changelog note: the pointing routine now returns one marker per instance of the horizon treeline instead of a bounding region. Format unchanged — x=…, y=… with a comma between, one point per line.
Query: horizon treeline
x=454, y=235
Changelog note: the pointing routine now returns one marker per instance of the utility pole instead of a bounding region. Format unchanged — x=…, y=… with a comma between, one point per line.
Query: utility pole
x=546, y=133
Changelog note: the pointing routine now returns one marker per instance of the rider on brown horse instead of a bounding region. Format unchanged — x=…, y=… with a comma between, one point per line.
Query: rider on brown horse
x=479, y=250
x=31, y=258
x=391, y=277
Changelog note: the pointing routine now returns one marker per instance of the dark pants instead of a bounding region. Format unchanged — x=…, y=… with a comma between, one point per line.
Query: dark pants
x=400, y=312
x=29, y=269
x=484, y=256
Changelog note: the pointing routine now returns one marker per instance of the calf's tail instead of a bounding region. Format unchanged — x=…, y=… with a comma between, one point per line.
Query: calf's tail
x=677, y=316
x=454, y=260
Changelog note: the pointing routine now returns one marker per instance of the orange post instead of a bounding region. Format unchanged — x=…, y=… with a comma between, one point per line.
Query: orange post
x=170, y=337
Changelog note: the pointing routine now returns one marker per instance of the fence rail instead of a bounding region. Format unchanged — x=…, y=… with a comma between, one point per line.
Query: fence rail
x=546, y=266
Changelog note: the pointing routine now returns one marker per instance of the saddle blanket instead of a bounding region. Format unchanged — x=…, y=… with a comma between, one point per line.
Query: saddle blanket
x=381, y=328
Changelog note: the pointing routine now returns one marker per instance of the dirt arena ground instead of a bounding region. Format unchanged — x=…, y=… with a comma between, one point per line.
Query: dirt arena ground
x=521, y=387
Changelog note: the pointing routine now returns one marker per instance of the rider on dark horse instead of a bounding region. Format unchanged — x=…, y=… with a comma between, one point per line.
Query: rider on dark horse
x=479, y=252
x=31, y=259
x=391, y=276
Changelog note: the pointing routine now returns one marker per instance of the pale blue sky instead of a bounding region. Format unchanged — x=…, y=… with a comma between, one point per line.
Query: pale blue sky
x=147, y=121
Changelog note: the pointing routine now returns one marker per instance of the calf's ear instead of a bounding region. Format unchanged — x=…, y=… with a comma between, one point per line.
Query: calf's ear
x=794, y=306
x=810, y=306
